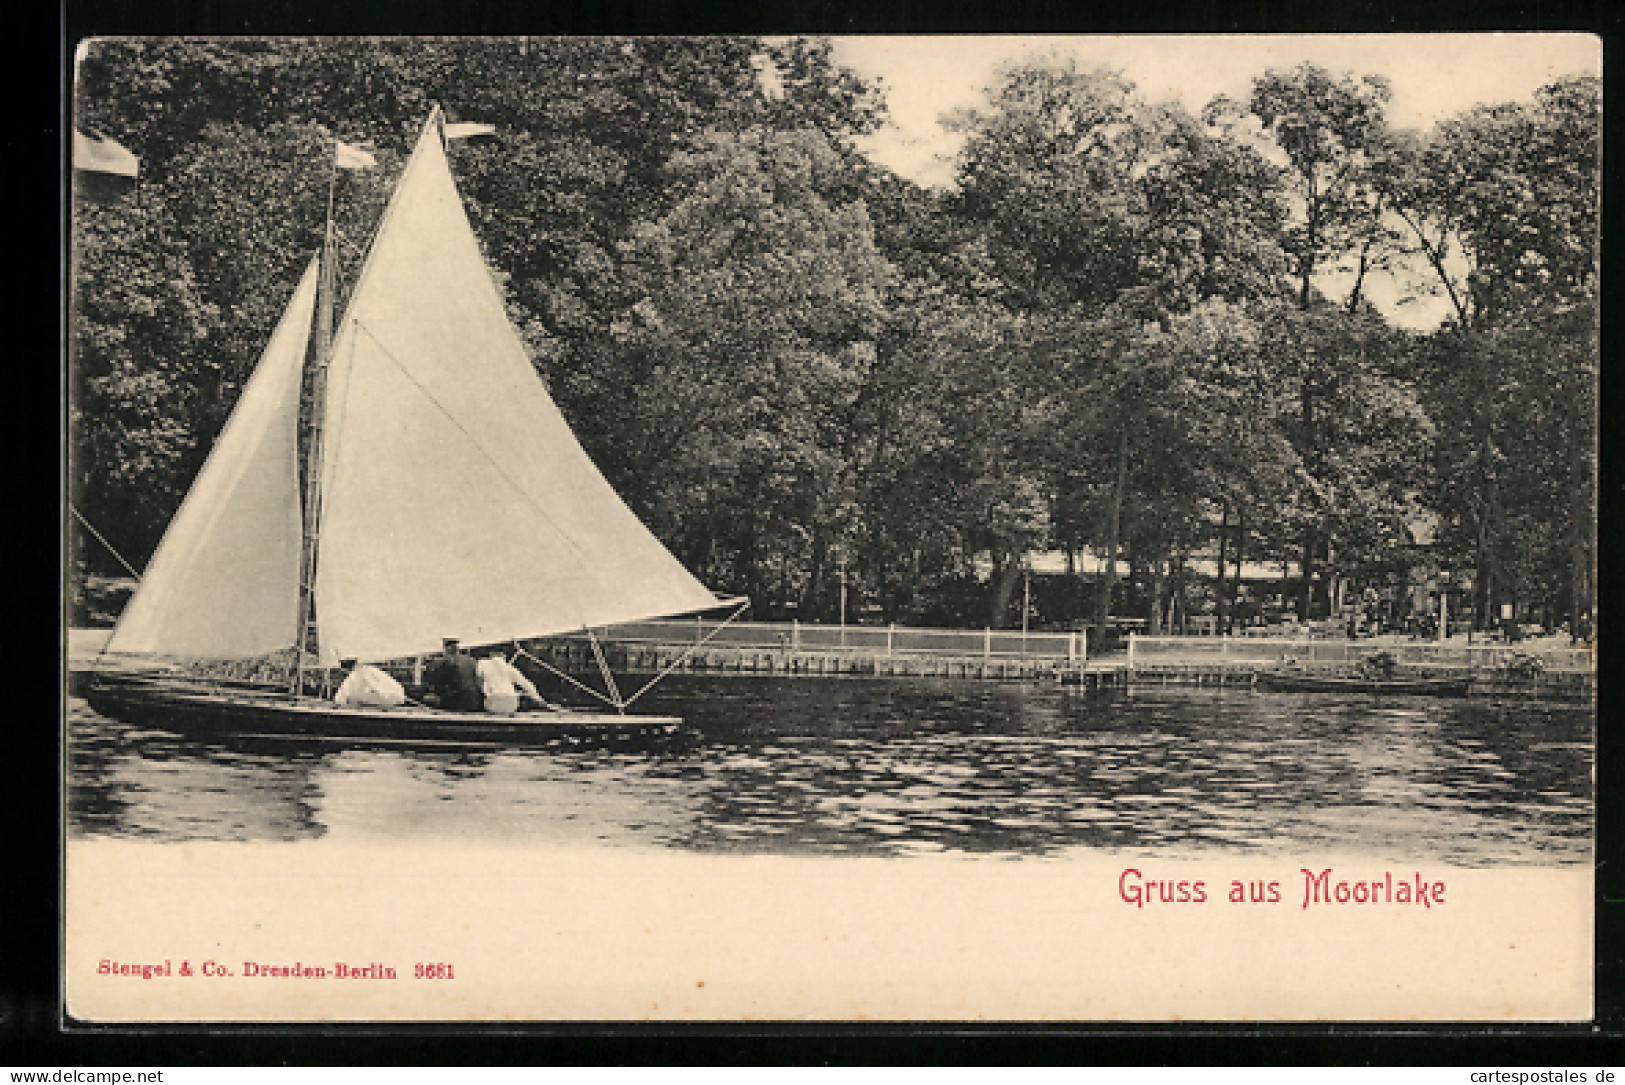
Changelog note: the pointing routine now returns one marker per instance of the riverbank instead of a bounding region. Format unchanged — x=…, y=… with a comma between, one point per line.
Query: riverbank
x=531, y=931
x=1197, y=661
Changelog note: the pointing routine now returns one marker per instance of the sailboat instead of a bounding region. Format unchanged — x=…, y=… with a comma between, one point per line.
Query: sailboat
x=443, y=496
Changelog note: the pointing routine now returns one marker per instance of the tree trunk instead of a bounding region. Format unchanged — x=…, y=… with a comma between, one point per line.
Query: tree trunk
x=1114, y=510
x=1484, y=572
x=1176, y=595
x=1154, y=622
x=1353, y=303
x=1224, y=561
x=1005, y=575
x=1581, y=563
x=1311, y=538
x=1235, y=586
x=1481, y=578
x=815, y=578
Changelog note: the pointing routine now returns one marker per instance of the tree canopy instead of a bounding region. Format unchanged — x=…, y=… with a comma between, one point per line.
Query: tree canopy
x=1129, y=328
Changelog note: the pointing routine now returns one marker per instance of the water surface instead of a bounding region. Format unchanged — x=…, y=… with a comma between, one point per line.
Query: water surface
x=897, y=766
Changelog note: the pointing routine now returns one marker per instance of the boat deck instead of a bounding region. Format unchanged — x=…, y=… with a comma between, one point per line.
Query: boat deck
x=236, y=712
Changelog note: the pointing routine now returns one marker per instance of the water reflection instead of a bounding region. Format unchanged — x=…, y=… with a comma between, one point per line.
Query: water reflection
x=892, y=767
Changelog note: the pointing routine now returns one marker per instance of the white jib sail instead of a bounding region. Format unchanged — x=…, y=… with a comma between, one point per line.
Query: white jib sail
x=455, y=500
x=224, y=581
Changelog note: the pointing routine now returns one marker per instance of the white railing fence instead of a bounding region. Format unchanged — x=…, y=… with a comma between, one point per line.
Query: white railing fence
x=890, y=639
x=1155, y=651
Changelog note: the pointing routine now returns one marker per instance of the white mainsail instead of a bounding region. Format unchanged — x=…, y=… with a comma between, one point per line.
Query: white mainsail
x=455, y=500
x=224, y=581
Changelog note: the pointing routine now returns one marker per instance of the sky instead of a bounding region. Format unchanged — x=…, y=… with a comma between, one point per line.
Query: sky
x=1432, y=76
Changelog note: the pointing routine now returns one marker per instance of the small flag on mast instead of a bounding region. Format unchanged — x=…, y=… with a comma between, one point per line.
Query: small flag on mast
x=468, y=130
x=348, y=157
x=95, y=154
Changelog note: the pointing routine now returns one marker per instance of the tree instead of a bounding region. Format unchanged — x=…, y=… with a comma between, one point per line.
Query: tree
x=1503, y=204
x=1108, y=219
x=235, y=139
x=1047, y=168
x=753, y=336
x=1502, y=201
x=1170, y=422
x=1330, y=130
x=139, y=341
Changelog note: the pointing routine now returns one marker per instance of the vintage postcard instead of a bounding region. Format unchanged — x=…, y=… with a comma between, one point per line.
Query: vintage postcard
x=1064, y=529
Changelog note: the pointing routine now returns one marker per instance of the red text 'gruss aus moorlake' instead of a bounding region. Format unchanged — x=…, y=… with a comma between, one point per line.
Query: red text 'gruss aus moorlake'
x=1135, y=888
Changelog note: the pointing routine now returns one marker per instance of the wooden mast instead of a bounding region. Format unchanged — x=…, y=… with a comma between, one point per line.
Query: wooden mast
x=323, y=342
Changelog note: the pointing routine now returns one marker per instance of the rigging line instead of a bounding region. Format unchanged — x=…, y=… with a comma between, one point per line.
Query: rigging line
x=544, y=702
x=77, y=515
x=327, y=470
x=554, y=670
x=509, y=479
x=383, y=221
x=678, y=662
x=603, y=668
x=354, y=247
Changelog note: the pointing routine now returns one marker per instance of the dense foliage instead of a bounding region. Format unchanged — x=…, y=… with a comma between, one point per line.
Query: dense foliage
x=1128, y=329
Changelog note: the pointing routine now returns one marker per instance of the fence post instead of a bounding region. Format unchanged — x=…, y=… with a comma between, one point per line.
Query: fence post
x=1131, y=638
x=1071, y=650
x=987, y=642
x=890, y=629
x=697, y=637
x=795, y=634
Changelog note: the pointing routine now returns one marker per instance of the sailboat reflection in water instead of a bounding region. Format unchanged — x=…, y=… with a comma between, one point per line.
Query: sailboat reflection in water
x=444, y=497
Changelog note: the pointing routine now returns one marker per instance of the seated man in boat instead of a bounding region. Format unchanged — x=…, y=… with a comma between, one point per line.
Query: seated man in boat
x=365, y=686
x=451, y=681
x=502, y=683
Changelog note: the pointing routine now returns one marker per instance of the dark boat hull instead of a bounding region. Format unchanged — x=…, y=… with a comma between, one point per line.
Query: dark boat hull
x=203, y=712
x=1310, y=683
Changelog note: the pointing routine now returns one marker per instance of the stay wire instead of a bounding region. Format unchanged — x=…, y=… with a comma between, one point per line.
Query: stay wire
x=478, y=447
x=77, y=515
